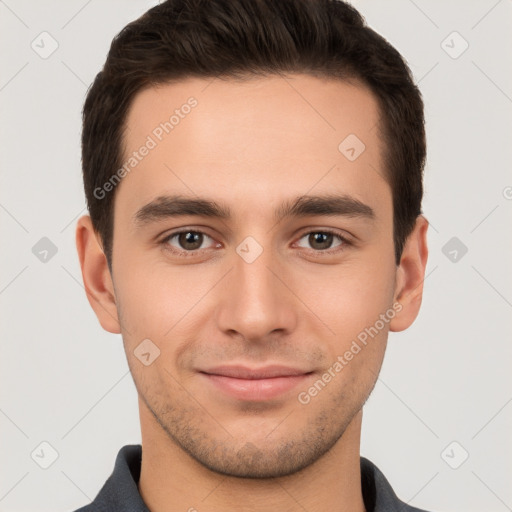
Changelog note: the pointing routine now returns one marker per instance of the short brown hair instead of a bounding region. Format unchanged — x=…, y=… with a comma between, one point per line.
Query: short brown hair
x=235, y=38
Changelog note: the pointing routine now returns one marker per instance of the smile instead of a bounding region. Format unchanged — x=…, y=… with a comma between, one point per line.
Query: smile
x=257, y=384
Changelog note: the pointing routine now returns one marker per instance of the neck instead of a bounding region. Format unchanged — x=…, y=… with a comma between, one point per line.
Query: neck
x=171, y=480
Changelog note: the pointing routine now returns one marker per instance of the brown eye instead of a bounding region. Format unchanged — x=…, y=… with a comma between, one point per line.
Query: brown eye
x=190, y=240
x=186, y=241
x=322, y=240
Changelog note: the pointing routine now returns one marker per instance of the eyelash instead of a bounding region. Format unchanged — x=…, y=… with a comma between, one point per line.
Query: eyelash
x=187, y=254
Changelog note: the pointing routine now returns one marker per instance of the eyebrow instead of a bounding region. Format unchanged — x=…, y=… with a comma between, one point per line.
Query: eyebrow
x=331, y=205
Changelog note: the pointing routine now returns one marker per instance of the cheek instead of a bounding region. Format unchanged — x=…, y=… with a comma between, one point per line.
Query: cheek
x=351, y=298
x=153, y=296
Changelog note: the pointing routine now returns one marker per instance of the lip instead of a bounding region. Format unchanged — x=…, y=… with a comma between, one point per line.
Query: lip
x=255, y=384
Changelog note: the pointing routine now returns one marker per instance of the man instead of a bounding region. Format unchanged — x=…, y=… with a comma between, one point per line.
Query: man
x=253, y=171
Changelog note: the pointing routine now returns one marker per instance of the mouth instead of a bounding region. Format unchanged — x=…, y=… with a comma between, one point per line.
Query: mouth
x=255, y=384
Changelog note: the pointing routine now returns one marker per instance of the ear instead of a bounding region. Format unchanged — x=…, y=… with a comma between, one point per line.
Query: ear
x=410, y=276
x=96, y=275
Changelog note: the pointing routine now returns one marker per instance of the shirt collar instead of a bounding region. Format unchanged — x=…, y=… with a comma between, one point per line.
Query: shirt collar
x=120, y=491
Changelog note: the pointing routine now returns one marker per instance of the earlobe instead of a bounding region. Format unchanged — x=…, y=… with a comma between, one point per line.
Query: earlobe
x=410, y=276
x=96, y=275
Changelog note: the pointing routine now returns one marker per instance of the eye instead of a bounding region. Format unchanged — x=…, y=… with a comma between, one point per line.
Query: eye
x=189, y=242
x=322, y=240
x=185, y=241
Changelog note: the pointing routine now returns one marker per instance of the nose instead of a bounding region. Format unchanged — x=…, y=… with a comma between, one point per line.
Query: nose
x=256, y=299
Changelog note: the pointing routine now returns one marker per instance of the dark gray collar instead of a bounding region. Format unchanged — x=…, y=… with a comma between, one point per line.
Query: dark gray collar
x=120, y=492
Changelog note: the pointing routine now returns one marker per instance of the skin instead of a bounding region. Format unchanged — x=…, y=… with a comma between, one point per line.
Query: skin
x=251, y=146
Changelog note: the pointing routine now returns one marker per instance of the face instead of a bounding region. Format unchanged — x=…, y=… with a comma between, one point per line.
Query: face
x=268, y=299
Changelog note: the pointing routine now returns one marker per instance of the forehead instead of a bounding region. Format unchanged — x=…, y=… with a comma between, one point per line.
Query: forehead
x=267, y=136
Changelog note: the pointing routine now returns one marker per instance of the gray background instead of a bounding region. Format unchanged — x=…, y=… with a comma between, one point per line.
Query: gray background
x=65, y=381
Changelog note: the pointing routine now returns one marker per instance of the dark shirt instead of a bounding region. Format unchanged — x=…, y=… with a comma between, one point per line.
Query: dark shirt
x=120, y=492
